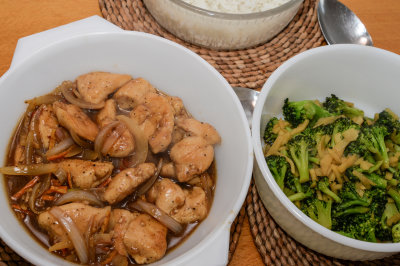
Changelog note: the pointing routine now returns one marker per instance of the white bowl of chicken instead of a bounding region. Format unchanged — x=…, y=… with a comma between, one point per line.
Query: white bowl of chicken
x=142, y=156
x=364, y=80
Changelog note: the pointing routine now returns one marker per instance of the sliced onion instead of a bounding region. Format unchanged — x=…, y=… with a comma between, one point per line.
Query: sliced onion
x=45, y=185
x=115, y=134
x=78, y=140
x=29, y=159
x=60, y=147
x=157, y=214
x=33, y=197
x=89, y=155
x=75, y=150
x=70, y=97
x=44, y=238
x=34, y=169
x=141, y=142
x=73, y=233
x=79, y=195
x=61, y=175
x=146, y=186
x=102, y=136
x=45, y=99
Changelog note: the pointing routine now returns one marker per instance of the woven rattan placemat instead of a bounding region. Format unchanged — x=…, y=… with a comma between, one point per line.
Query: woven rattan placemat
x=248, y=68
x=278, y=248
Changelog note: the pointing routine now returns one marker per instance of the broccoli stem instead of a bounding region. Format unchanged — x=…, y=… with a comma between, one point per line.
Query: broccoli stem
x=301, y=161
x=378, y=181
x=299, y=196
x=395, y=196
x=355, y=210
x=350, y=203
x=382, y=149
x=323, y=187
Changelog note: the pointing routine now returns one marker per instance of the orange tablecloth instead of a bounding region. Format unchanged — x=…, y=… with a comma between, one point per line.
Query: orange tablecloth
x=20, y=18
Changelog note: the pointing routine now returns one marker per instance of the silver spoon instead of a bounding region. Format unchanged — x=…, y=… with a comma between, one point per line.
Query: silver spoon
x=338, y=25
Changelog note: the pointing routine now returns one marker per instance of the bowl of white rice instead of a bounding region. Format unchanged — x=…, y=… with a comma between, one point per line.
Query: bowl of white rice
x=224, y=24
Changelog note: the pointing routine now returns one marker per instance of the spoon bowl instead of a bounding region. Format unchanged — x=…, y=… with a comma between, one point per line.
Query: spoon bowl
x=340, y=25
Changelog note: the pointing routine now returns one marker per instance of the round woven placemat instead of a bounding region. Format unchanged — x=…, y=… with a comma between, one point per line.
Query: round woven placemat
x=245, y=68
x=278, y=248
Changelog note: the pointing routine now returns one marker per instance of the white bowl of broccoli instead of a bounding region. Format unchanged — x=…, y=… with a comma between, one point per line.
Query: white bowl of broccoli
x=327, y=150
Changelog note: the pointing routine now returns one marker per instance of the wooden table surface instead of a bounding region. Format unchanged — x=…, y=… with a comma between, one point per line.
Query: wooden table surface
x=21, y=18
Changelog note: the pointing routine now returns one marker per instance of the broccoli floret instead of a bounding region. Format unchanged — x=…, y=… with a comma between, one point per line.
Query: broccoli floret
x=319, y=211
x=269, y=136
x=373, y=139
x=384, y=231
x=297, y=112
x=323, y=186
x=278, y=167
x=351, y=198
x=396, y=233
x=387, y=120
x=340, y=125
x=358, y=226
x=299, y=147
x=337, y=106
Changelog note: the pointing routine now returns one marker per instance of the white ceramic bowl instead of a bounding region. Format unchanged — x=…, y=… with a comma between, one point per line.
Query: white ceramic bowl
x=169, y=67
x=221, y=30
x=367, y=76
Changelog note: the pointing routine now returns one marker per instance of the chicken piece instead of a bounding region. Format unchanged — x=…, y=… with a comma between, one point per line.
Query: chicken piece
x=86, y=174
x=119, y=223
x=145, y=239
x=107, y=114
x=48, y=124
x=156, y=118
x=195, y=207
x=74, y=119
x=133, y=93
x=200, y=129
x=126, y=181
x=191, y=156
x=168, y=170
x=95, y=87
x=178, y=107
x=125, y=144
x=81, y=214
x=167, y=195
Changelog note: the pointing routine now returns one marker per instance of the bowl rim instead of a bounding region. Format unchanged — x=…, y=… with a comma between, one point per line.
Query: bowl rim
x=236, y=16
x=260, y=160
x=217, y=231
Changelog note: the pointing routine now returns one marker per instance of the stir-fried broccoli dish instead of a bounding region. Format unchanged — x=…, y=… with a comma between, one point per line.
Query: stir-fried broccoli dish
x=338, y=166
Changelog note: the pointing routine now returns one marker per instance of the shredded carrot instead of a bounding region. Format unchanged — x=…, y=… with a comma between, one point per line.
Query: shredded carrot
x=60, y=155
x=110, y=257
x=47, y=198
x=69, y=179
x=55, y=182
x=105, y=183
x=19, y=208
x=58, y=189
x=22, y=191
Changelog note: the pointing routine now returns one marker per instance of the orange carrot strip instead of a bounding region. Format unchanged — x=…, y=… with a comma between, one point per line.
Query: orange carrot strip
x=22, y=191
x=69, y=179
x=105, y=183
x=58, y=189
x=60, y=155
x=19, y=208
x=110, y=257
x=47, y=197
x=55, y=182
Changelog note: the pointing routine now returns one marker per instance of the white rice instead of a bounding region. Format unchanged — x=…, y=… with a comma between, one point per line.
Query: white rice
x=236, y=6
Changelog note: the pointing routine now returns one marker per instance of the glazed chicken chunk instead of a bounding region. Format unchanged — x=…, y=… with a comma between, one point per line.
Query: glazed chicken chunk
x=95, y=87
x=139, y=235
x=199, y=129
x=133, y=93
x=74, y=119
x=48, y=124
x=86, y=174
x=167, y=195
x=195, y=207
x=125, y=182
x=156, y=118
x=191, y=156
x=81, y=214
